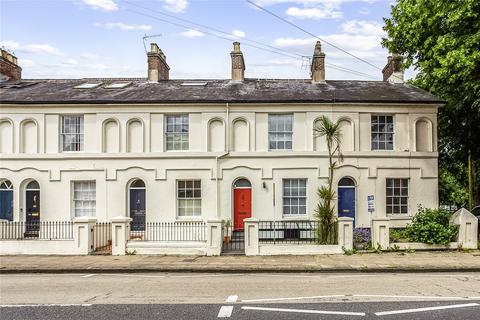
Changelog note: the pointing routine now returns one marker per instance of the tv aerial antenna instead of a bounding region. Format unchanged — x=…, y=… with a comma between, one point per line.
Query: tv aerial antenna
x=146, y=36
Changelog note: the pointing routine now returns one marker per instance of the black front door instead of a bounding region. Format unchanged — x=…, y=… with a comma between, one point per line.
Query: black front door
x=137, y=209
x=32, y=203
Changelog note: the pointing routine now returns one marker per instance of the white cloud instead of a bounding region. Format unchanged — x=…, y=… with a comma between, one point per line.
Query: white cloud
x=325, y=12
x=31, y=48
x=123, y=26
x=89, y=56
x=342, y=40
x=26, y=63
x=238, y=34
x=105, y=5
x=192, y=33
x=175, y=5
x=70, y=62
x=363, y=27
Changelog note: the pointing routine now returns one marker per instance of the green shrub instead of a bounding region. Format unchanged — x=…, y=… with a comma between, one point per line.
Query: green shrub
x=398, y=235
x=431, y=226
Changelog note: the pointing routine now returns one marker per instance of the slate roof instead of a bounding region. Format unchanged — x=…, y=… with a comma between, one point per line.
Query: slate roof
x=38, y=91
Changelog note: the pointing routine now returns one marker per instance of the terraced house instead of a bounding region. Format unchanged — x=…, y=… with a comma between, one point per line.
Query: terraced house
x=168, y=150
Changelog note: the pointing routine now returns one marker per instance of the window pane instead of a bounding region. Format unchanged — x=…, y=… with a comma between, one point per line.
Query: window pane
x=397, y=196
x=189, y=197
x=280, y=131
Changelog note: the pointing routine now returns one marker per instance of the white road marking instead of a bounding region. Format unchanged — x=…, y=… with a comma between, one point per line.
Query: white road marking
x=306, y=311
x=295, y=298
x=88, y=275
x=232, y=299
x=407, y=297
x=225, y=312
x=131, y=275
x=45, y=305
x=384, y=313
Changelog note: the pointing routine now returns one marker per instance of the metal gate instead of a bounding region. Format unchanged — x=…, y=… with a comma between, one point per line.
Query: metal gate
x=233, y=240
x=102, y=238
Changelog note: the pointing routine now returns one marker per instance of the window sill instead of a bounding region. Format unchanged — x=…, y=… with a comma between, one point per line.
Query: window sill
x=300, y=217
x=399, y=216
x=189, y=219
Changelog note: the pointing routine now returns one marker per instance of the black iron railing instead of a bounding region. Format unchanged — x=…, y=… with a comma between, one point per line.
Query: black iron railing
x=233, y=240
x=102, y=238
x=170, y=231
x=296, y=232
x=42, y=230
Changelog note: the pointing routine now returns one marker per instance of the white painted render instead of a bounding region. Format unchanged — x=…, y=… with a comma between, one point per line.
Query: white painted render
x=124, y=142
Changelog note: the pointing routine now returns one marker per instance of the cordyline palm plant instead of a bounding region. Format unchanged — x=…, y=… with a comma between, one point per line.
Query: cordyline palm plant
x=325, y=211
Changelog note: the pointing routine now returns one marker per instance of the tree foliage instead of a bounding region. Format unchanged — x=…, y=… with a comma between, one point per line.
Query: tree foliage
x=441, y=39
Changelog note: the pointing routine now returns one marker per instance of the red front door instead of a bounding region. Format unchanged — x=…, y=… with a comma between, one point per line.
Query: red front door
x=242, y=204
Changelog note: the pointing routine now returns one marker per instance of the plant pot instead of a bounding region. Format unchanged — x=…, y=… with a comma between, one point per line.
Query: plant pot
x=226, y=239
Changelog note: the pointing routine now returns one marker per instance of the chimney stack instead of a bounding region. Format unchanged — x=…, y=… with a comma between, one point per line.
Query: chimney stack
x=158, y=69
x=318, y=64
x=238, y=63
x=393, y=71
x=9, y=67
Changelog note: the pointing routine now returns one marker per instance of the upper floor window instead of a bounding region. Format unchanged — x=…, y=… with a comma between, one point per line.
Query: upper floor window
x=72, y=133
x=397, y=196
x=382, y=132
x=280, y=131
x=176, y=132
x=189, y=198
x=294, y=196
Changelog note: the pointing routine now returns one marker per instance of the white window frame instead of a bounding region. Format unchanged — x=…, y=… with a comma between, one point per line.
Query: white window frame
x=291, y=215
x=173, y=133
x=400, y=196
x=91, y=214
x=193, y=199
x=284, y=133
x=379, y=132
x=80, y=134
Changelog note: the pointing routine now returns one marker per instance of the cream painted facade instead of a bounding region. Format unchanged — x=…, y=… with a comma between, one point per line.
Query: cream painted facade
x=123, y=142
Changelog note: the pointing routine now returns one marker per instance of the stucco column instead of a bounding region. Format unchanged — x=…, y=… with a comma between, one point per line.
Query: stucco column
x=214, y=237
x=345, y=232
x=120, y=235
x=251, y=236
x=381, y=232
x=467, y=230
x=83, y=234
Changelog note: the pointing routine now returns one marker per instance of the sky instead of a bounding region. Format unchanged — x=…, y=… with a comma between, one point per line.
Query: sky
x=104, y=38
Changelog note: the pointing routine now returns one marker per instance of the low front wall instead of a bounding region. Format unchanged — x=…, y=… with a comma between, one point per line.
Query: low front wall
x=168, y=248
x=424, y=246
x=298, y=249
x=39, y=247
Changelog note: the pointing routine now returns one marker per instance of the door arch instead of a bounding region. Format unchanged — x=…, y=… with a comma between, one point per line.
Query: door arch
x=242, y=202
x=32, y=209
x=6, y=200
x=347, y=198
x=137, y=204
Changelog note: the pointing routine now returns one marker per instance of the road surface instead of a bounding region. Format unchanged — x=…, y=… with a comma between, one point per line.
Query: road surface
x=240, y=296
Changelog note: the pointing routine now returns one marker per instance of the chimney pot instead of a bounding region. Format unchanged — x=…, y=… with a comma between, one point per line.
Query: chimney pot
x=158, y=68
x=238, y=63
x=9, y=67
x=318, y=64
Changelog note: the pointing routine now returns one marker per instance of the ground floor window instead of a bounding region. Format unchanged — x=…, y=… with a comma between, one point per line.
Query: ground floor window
x=84, y=198
x=397, y=196
x=294, y=196
x=189, y=198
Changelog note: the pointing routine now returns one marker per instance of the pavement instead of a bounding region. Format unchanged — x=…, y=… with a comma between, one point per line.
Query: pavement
x=385, y=262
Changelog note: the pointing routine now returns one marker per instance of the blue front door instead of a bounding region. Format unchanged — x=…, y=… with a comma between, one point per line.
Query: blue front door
x=6, y=205
x=346, y=203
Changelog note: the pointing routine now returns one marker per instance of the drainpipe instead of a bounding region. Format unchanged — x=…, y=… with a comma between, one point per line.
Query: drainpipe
x=217, y=159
